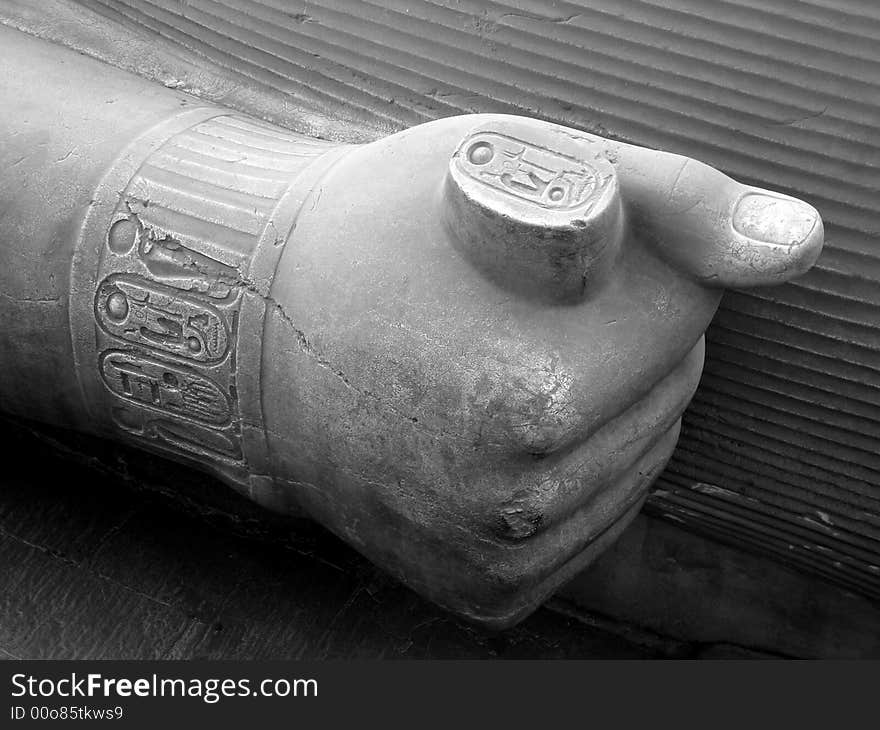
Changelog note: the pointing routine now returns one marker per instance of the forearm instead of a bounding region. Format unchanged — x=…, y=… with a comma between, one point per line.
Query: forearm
x=65, y=118
x=141, y=232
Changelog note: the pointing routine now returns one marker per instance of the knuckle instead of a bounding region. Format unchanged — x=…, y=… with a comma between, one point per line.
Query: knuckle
x=541, y=411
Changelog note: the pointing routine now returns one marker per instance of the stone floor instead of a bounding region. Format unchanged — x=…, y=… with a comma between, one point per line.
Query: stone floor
x=90, y=568
x=107, y=552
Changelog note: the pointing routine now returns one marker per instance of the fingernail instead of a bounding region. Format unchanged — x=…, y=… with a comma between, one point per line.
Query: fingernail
x=774, y=219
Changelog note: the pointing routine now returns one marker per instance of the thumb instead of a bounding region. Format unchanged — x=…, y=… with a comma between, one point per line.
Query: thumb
x=707, y=224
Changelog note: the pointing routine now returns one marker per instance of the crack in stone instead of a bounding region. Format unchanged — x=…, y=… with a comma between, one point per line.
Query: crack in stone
x=562, y=20
x=301, y=338
x=31, y=300
x=235, y=280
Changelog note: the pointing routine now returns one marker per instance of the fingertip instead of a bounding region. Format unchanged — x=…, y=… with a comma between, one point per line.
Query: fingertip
x=773, y=218
x=776, y=238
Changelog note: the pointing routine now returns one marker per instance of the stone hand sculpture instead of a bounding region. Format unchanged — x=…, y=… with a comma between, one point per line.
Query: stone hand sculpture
x=464, y=348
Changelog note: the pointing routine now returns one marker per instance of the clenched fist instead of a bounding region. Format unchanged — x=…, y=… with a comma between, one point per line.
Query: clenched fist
x=464, y=348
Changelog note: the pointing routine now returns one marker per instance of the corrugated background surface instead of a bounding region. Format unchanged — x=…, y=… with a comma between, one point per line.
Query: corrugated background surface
x=780, y=450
